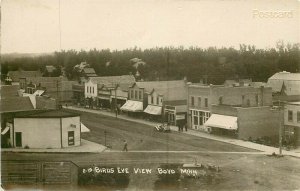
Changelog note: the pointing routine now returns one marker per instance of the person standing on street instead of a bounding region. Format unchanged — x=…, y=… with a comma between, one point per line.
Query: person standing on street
x=185, y=126
x=125, y=146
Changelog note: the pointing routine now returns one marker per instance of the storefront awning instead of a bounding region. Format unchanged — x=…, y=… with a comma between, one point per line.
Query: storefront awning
x=222, y=121
x=133, y=106
x=153, y=110
x=84, y=128
x=5, y=130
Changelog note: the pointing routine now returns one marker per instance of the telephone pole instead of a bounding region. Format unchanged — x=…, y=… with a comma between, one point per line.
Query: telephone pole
x=280, y=129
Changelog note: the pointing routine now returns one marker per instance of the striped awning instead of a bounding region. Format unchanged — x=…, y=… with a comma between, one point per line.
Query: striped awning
x=222, y=121
x=133, y=106
x=153, y=110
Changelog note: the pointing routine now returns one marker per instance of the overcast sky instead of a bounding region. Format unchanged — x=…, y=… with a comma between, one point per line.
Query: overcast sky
x=33, y=26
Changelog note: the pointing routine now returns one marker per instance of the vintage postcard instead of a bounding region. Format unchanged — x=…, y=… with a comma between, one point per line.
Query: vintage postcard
x=150, y=95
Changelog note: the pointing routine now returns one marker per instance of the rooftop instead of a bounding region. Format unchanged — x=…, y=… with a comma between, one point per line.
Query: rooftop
x=285, y=76
x=51, y=114
x=113, y=80
x=16, y=75
x=14, y=104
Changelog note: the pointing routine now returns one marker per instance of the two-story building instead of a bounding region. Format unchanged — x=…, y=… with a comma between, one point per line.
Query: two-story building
x=98, y=89
x=241, y=111
x=158, y=100
x=58, y=88
x=202, y=97
x=292, y=123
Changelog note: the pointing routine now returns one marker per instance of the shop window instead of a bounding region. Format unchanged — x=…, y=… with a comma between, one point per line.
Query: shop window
x=298, y=116
x=290, y=115
x=195, y=120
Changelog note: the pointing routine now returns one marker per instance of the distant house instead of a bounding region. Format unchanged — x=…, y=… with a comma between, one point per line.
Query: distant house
x=16, y=75
x=96, y=86
x=88, y=72
x=52, y=129
x=292, y=123
x=55, y=87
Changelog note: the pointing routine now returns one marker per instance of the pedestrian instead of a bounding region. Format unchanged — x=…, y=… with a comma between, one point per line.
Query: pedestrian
x=179, y=128
x=125, y=146
x=185, y=126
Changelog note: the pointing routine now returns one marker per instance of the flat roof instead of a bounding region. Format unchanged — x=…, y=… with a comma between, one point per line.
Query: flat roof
x=51, y=114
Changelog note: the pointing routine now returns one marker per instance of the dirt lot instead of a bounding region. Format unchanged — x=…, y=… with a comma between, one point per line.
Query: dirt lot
x=237, y=171
x=144, y=137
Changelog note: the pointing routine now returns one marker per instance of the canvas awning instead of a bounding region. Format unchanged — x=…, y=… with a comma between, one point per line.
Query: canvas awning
x=222, y=121
x=133, y=106
x=5, y=130
x=38, y=92
x=153, y=110
x=84, y=128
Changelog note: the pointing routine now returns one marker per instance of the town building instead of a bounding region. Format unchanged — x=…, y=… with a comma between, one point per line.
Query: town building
x=239, y=111
x=58, y=88
x=52, y=129
x=292, y=123
x=15, y=76
x=159, y=100
x=97, y=90
x=88, y=72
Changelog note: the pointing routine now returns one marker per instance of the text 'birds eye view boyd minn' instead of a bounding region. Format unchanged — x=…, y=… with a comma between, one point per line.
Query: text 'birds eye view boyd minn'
x=150, y=95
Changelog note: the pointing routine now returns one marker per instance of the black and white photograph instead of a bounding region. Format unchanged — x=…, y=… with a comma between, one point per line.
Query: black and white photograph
x=150, y=95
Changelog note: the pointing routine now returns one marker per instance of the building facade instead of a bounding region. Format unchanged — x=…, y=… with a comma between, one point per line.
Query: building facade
x=50, y=129
x=201, y=98
x=292, y=123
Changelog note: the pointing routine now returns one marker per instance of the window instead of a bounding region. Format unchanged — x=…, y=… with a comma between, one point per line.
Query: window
x=71, y=138
x=93, y=89
x=90, y=89
x=140, y=95
x=131, y=96
x=298, y=116
x=87, y=89
x=221, y=100
x=192, y=101
x=206, y=102
x=290, y=115
x=199, y=101
x=256, y=99
x=157, y=100
x=195, y=120
x=152, y=99
x=135, y=94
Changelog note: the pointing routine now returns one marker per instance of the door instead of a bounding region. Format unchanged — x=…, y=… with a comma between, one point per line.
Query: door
x=18, y=139
x=71, y=138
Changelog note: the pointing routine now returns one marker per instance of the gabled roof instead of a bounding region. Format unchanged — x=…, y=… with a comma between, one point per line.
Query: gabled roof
x=285, y=82
x=88, y=71
x=16, y=75
x=14, y=104
x=51, y=114
x=8, y=91
x=171, y=90
x=113, y=80
x=285, y=76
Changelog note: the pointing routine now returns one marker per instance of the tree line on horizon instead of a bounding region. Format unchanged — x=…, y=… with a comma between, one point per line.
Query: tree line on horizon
x=172, y=63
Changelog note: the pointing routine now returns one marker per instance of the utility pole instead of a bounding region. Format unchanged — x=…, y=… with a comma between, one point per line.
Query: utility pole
x=104, y=137
x=280, y=129
x=116, y=108
x=57, y=94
